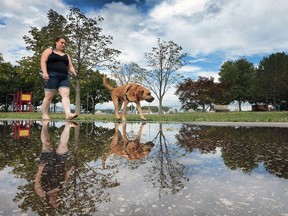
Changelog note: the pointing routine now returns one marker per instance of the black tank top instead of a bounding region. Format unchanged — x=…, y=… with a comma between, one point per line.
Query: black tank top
x=57, y=63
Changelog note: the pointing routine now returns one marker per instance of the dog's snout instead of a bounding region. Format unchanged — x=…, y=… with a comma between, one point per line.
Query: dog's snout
x=150, y=99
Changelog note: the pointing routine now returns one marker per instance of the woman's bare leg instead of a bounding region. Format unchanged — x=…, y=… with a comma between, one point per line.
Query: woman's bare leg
x=65, y=95
x=46, y=104
x=45, y=137
x=64, y=138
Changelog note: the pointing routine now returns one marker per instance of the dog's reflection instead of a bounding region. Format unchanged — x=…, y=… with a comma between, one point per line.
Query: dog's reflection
x=52, y=173
x=128, y=149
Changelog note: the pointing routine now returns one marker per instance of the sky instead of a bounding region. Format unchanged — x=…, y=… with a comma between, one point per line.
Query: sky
x=209, y=31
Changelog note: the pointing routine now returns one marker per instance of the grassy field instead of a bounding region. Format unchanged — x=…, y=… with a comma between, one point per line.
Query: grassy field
x=181, y=117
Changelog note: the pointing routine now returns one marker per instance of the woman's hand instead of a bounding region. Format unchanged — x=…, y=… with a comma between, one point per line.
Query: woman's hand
x=45, y=76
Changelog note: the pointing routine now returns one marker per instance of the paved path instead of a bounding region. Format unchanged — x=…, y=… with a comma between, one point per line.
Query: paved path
x=245, y=124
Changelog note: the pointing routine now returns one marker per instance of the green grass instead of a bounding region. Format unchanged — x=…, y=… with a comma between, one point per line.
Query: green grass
x=181, y=117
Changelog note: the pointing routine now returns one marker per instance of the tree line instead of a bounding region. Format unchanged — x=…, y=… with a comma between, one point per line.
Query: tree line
x=239, y=81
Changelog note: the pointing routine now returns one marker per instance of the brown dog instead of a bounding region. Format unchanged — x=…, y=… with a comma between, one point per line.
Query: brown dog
x=125, y=94
x=128, y=149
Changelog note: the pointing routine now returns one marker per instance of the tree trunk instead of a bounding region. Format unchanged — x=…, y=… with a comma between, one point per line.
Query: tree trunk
x=78, y=101
x=93, y=107
x=160, y=111
x=239, y=105
x=274, y=101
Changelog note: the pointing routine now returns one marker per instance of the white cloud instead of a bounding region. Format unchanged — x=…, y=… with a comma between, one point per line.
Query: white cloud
x=189, y=69
x=171, y=9
x=17, y=17
x=233, y=28
x=127, y=26
x=236, y=28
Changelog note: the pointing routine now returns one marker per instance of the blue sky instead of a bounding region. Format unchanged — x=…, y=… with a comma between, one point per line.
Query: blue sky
x=210, y=31
x=87, y=5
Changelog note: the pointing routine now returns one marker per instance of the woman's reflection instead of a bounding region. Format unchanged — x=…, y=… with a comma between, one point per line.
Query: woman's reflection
x=52, y=172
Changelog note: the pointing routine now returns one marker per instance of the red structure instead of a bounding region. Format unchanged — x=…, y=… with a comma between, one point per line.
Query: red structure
x=22, y=102
x=21, y=129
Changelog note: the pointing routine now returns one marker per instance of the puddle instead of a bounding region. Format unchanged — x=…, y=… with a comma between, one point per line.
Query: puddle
x=96, y=168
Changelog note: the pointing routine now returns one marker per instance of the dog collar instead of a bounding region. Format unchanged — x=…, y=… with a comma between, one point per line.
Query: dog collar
x=128, y=90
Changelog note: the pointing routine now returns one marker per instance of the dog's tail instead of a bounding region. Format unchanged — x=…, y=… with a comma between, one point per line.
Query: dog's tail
x=106, y=84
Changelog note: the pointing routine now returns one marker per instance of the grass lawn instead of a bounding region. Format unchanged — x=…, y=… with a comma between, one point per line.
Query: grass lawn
x=246, y=116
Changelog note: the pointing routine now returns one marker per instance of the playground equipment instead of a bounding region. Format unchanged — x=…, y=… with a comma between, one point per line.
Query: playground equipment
x=22, y=102
x=21, y=129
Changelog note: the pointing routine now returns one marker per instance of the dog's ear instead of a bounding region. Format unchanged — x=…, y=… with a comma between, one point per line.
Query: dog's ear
x=139, y=94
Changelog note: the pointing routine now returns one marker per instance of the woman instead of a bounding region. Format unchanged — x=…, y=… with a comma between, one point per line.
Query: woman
x=55, y=64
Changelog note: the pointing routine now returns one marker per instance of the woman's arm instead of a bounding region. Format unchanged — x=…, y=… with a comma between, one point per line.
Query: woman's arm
x=43, y=62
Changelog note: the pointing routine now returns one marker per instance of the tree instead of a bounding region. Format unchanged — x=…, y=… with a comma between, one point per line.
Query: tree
x=9, y=82
x=202, y=92
x=127, y=73
x=272, y=78
x=86, y=46
x=90, y=48
x=163, y=61
x=44, y=38
x=94, y=92
x=239, y=74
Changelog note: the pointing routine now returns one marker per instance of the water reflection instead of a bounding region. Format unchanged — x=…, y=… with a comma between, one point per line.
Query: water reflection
x=166, y=174
x=131, y=149
x=52, y=173
x=21, y=129
x=143, y=169
x=242, y=148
